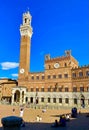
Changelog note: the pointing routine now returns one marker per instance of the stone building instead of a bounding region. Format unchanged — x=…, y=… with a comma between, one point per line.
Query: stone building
x=6, y=86
x=62, y=84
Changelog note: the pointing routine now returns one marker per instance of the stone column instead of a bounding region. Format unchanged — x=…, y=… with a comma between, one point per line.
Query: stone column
x=20, y=97
x=71, y=104
x=46, y=100
x=29, y=99
x=79, y=103
x=51, y=100
x=86, y=103
x=63, y=101
x=39, y=100
x=57, y=100
x=34, y=99
x=24, y=101
x=12, y=102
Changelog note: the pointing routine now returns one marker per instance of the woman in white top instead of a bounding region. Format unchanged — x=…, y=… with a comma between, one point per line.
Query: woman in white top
x=21, y=112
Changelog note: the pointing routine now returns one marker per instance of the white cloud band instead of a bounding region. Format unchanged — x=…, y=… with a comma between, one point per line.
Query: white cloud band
x=15, y=75
x=9, y=65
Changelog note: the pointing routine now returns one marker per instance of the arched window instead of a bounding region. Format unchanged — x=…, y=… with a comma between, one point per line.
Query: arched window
x=42, y=99
x=87, y=73
x=65, y=64
x=25, y=20
x=80, y=74
x=67, y=100
x=75, y=101
x=60, y=100
x=54, y=100
x=48, y=99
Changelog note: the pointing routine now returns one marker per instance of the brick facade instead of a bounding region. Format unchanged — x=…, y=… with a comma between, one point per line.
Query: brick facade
x=6, y=86
x=62, y=83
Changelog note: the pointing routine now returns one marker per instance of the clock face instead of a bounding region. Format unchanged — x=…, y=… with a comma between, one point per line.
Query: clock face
x=56, y=65
x=22, y=71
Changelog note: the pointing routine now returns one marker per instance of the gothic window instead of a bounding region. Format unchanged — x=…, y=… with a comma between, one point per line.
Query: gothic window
x=66, y=100
x=87, y=73
x=31, y=89
x=25, y=20
x=65, y=64
x=60, y=76
x=32, y=77
x=74, y=89
x=54, y=100
x=37, y=77
x=42, y=99
x=54, y=89
x=81, y=89
x=42, y=89
x=66, y=89
x=26, y=99
x=60, y=100
x=43, y=77
x=49, y=76
x=37, y=89
x=75, y=101
x=73, y=75
x=80, y=74
x=49, y=89
x=60, y=89
x=54, y=76
x=48, y=100
x=65, y=75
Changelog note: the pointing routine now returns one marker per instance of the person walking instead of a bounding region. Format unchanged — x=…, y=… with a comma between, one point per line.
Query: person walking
x=21, y=112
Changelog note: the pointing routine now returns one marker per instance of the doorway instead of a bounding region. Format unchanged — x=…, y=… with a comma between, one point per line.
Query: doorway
x=17, y=96
x=82, y=101
x=31, y=99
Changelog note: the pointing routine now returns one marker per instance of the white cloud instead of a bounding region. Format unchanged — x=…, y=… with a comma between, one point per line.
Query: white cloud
x=15, y=75
x=9, y=65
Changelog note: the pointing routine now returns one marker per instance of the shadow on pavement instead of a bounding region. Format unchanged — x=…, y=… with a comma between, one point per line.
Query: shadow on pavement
x=79, y=123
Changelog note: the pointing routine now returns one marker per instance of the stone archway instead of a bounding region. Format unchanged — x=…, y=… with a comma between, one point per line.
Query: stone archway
x=82, y=100
x=17, y=96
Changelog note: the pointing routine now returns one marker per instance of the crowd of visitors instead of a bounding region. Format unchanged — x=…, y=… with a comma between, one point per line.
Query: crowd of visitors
x=64, y=118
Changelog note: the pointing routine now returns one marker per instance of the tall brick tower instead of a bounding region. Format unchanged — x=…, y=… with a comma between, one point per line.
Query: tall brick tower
x=26, y=33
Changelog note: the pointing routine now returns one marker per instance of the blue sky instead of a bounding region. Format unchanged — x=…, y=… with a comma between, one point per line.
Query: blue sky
x=58, y=25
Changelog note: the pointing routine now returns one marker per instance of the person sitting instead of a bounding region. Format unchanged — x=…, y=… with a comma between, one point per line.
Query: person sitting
x=56, y=124
x=62, y=121
x=23, y=123
x=38, y=118
x=43, y=110
x=67, y=117
x=74, y=112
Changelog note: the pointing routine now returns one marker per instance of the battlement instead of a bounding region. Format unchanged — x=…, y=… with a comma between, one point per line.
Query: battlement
x=80, y=67
x=58, y=58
